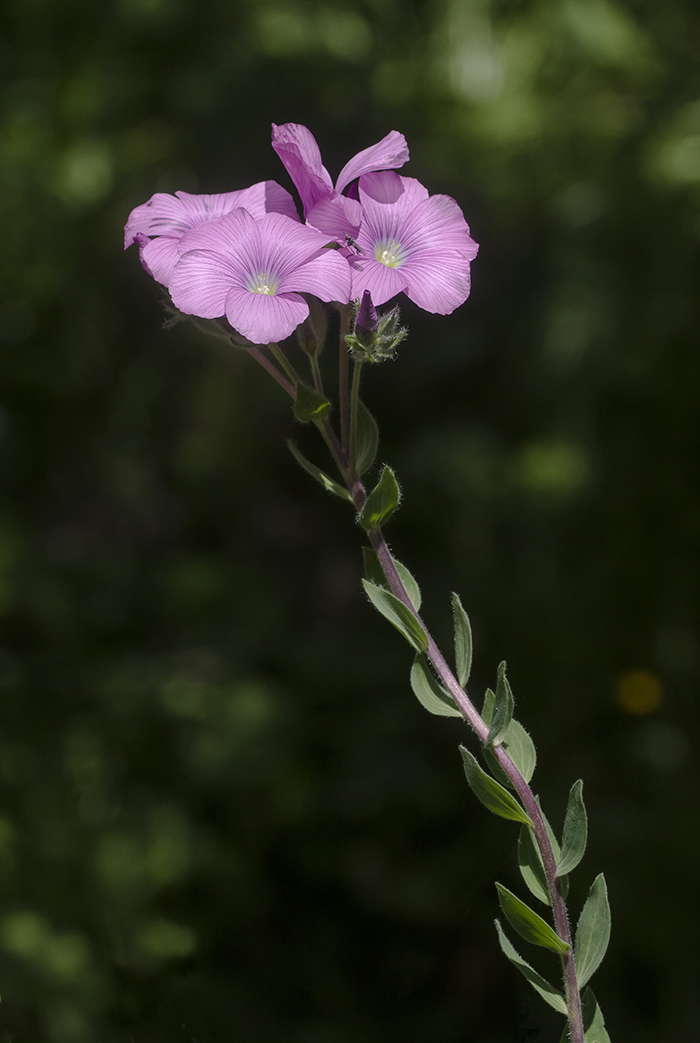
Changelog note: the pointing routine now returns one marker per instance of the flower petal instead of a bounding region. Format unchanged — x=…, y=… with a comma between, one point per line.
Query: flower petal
x=336, y=216
x=263, y=318
x=200, y=283
x=159, y=256
x=327, y=277
x=388, y=154
x=438, y=223
x=438, y=280
x=382, y=282
x=296, y=146
x=161, y=215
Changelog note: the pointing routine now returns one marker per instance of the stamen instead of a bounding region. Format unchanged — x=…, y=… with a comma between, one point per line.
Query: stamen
x=262, y=283
x=391, y=253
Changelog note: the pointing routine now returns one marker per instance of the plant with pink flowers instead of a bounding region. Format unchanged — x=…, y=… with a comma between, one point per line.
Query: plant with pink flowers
x=246, y=263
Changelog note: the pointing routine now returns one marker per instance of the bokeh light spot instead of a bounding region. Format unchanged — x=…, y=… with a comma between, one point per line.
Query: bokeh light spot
x=638, y=692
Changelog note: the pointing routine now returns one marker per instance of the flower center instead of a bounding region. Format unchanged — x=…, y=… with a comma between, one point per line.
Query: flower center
x=262, y=283
x=390, y=253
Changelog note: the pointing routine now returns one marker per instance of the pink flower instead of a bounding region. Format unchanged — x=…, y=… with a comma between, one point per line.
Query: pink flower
x=324, y=205
x=413, y=243
x=253, y=272
x=169, y=217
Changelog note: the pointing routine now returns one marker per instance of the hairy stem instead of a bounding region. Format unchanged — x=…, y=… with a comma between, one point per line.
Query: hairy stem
x=473, y=718
x=354, y=399
x=343, y=373
x=265, y=362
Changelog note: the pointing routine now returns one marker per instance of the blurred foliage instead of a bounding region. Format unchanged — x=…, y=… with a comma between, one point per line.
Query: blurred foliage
x=223, y=815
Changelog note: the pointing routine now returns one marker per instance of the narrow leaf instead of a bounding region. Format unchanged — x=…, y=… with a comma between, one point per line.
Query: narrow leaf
x=375, y=574
x=502, y=709
x=321, y=477
x=548, y=993
x=429, y=691
x=575, y=835
x=463, y=641
x=516, y=742
x=593, y=931
x=381, y=502
x=593, y=1020
x=531, y=865
x=310, y=405
x=398, y=614
x=367, y=439
x=491, y=794
x=528, y=924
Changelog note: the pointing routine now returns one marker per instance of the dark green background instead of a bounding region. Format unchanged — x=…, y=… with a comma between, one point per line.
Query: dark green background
x=224, y=816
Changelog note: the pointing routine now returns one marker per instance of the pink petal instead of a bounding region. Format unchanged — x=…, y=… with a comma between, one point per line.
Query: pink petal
x=200, y=283
x=388, y=154
x=327, y=277
x=297, y=148
x=223, y=235
x=159, y=256
x=438, y=280
x=337, y=216
x=283, y=245
x=161, y=215
x=263, y=318
x=382, y=282
x=438, y=223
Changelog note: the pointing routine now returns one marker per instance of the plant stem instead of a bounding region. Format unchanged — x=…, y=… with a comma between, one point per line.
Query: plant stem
x=265, y=362
x=343, y=374
x=473, y=718
x=354, y=399
x=285, y=364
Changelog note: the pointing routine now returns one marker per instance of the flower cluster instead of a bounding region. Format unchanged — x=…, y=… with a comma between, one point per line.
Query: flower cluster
x=248, y=257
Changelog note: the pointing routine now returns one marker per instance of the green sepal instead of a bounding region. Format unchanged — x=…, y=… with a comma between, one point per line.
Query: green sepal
x=502, y=709
x=310, y=405
x=463, y=641
x=429, y=692
x=516, y=742
x=592, y=932
x=398, y=614
x=367, y=439
x=575, y=834
x=381, y=502
x=528, y=924
x=548, y=993
x=491, y=794
x=321, y=477
x=375, y=574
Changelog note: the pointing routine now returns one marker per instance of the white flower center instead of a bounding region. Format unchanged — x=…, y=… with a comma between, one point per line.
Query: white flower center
x=262, y=283
x=390, y=253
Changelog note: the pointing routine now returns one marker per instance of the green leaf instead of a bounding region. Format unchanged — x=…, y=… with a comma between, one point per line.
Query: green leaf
x=429, y=692
x=548, y=993
x=375, y=574
x=502, y=709
x=516, y=742
x=531, y=865
x=398, y=614
x=593, y=1020
x=463, y=641
x=367, y=439
x=310, y=405
x=381, y=502
x=593, y=931
x=528, y=924
x=491, y=794
x=315, y=472
x=575, y=835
